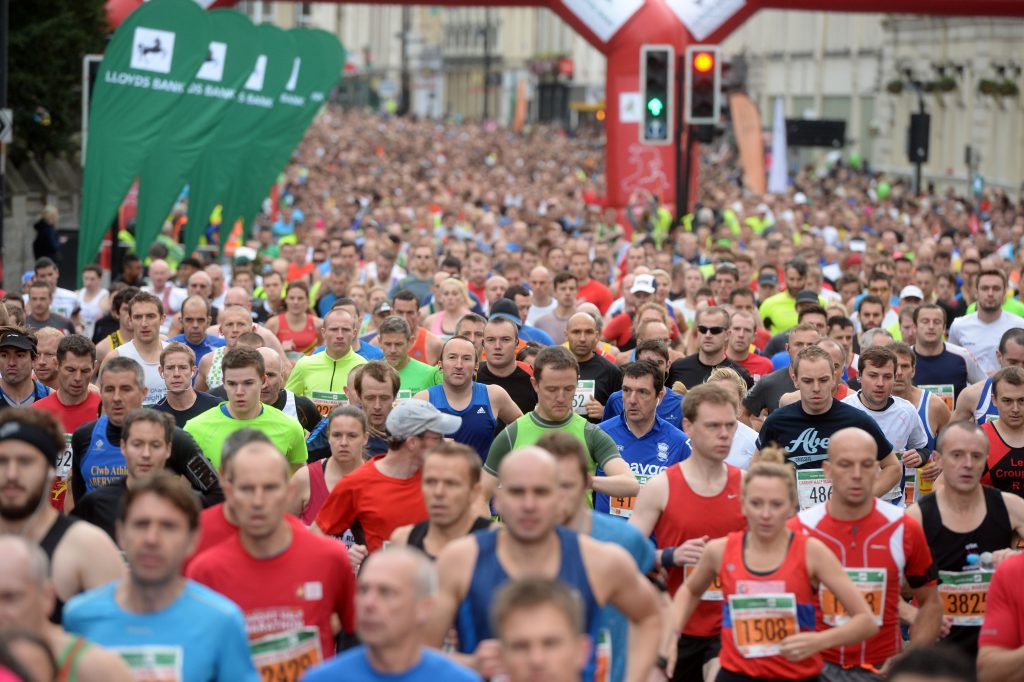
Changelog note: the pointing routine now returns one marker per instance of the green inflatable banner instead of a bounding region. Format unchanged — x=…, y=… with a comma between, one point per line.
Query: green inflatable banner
x=269, y=160
x=194, y=120
x=220, y=164
x=149, y=63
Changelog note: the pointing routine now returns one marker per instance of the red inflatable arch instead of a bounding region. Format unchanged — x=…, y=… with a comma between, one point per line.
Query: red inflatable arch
x=629, y=165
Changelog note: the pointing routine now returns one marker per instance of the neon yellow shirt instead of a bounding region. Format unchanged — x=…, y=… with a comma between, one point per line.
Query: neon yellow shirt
x=211, y=428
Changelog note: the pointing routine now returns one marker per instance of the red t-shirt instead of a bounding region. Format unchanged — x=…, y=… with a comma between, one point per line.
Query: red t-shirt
x=1004, y=611
x=756, y=365
x=761, y=338
x=214, y=528
x=71, y=416
x=596, y=293
x=885, y=539
x=619, y=330
x=294, y=591
x=379, y=503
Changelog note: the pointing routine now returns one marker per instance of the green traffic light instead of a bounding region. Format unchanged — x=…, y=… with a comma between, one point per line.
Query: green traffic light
x=655, y=106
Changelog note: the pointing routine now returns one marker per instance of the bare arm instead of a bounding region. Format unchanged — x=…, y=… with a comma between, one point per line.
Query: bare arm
x=637, y=600
x=298, y=491
x=488, y=487
x=101, y=665
x=204, y=371
x=422, y=395
x=432, y=349
x=649, y=505
x=927, y=622
x=999, y=664
x=889, y=475
x=400, y=536
x=966, y=403
x=504, y=407
x=618, y=480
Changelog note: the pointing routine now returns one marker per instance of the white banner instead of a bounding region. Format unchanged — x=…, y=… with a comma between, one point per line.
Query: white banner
x=704, y=17
x=603, y=17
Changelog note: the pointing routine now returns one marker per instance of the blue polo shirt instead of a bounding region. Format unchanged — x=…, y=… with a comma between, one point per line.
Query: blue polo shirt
x=660, y=448
x=670, y=408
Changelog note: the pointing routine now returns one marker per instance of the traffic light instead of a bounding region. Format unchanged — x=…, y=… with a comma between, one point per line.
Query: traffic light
x=703, y=87
x=657, y=78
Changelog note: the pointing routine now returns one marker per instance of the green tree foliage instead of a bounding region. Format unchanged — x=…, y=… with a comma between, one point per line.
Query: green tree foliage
x=48, y=39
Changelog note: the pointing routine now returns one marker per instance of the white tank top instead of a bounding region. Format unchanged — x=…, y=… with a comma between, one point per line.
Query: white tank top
x=90, y=310
x=289, y=405
x=154, y=382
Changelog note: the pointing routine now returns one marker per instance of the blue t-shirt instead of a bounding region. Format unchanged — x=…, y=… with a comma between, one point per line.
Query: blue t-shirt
x=354, y=666
x=365, y=351
x=535, y=334
x=201, y=636
x=203, y=347
x=659, y=448
x=626, y=536
x=670, y=408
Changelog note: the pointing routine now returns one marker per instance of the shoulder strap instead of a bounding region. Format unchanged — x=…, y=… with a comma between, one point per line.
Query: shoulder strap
x=70, y=657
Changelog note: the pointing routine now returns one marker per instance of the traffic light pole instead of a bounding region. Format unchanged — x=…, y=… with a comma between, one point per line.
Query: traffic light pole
x=682, y=188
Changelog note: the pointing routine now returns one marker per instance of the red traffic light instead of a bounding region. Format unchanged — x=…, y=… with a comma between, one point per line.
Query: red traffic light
x=703, y=62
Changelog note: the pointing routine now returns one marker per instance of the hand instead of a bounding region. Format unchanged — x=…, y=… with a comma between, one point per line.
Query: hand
x=487, y=659
x=912, y=459
x=930, y=471
x=947, y=625
x=1002, y=555
x=595, y=410
x=690, y=551
x=288, y=345
x=356, y=555
x=800, y=646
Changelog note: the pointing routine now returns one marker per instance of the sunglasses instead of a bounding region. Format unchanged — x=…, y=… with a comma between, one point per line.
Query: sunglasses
x=714, y=331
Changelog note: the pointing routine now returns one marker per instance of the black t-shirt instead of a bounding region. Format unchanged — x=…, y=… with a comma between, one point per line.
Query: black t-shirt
x=100, y=506
x=204, y=401
x=805, y=436
x=692, y=372
x=186, y=460
x=767, y=392
x=517, y=385
x=607, y=379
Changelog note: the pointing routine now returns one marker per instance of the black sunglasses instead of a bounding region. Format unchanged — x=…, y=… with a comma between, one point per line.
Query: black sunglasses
x=714, y=331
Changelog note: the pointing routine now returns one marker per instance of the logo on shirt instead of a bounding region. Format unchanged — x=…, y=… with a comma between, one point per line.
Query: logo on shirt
x=481, y=410
x=662, y=452
x=808, y=442
x=311, y=591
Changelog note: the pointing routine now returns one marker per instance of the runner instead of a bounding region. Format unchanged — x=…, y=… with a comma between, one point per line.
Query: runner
x=386, y=493
x=1004, y=469
x=17, y=355
x=933, y=663
x=479, y=406
x=451, y=483
x=648, y=443
x=977, y=332
x=670, y=404
x=573, y=482
x=25, y=581
x=273, y=393
x=583, y=333
x=311, y=485
x=740, y=346
x=975, y=401
x=540, y=626
x=501, y=338
x=45, y=365
x=424, y=345
x=73, y=402
x=146, y=312
x=936, y=361
x=881, y=548
x=804, y=427
x=554, y=321
x=146, y=444
x=712, y=336
x=530, y=544
x=234, y=322
x=289, y=583
x=328, y=371
x=244, y=375
x=933, y=411
x=897, y=418
x=770, y=576
x=1000, y=641
x=764, y=398
x=298, y=331
x=394, y=338
x=96, y=457
x=664, y=509
x=81, y=556
x=964, y=518
x=121, y=320
x=39, y=313
x=178, y=370
x=376, y=387
x=393, y=605
x=555, y=378
x=195, y=319
x=164, y=626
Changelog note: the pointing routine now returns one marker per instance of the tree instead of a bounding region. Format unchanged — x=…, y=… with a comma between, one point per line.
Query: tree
x=47, y=42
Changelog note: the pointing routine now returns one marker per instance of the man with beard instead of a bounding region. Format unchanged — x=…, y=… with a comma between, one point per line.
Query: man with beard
x=82, y=556
x=979, y=331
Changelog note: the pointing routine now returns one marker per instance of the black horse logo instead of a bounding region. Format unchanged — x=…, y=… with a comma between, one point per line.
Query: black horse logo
x=155, y=48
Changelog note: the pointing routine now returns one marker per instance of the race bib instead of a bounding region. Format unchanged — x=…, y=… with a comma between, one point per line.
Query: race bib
x=326, y=401
x=713, y=593
x=964, y=594
x=285, y=656
x=402, y=397
x=603, y=656
x=154, y=663
x=944, y=392
x=584, y=394
x=621, y=506
x=64, y=459
x=870, y=582
x=759, y=624
x=812, y=487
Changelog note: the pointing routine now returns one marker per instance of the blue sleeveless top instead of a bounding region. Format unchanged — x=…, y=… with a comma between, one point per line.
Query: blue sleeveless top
x=473, y=622
x=986, y=410
x=922, y=411
x=478, y=422
x=103, y=462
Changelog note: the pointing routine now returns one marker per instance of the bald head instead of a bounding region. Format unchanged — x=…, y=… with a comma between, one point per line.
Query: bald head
x=24, y=560
x=581, y=317
x=587, y=307
x=258, y=456
x=530, y=458
x=850, y=440
x=237, y=296
x=28, y=594
x=412, y=567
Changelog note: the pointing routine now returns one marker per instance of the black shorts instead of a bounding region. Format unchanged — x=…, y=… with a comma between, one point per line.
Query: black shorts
x=727, y=676
x=692, y=653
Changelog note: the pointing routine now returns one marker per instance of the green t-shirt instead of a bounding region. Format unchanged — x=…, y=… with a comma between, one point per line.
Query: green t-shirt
x=780, y=310
x=1011, y=305
x=212, y=427
x=528, y=429
x=417, y=376
x=320, y=372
